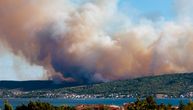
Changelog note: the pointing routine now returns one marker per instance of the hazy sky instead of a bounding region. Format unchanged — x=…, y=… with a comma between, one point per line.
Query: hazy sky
x=164, y=8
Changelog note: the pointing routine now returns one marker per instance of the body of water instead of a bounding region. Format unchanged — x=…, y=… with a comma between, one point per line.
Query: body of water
x=74, y=102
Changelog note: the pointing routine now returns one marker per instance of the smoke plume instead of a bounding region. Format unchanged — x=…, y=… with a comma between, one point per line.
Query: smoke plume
x=91, y=40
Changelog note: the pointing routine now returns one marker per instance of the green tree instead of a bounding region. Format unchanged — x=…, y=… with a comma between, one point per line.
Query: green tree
x=22, y=107
x=42, y=106
x=181, y=105
x=151, y=104
x=7, y=106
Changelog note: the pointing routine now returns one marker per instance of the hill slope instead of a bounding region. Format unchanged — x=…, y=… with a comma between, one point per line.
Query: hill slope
x=36, y=85
x=173, y=85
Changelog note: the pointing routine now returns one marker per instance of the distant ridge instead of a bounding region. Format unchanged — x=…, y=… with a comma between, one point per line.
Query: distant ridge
x=36, y=84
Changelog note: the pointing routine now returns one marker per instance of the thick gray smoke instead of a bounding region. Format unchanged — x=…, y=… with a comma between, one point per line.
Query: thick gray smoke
x=91, y=40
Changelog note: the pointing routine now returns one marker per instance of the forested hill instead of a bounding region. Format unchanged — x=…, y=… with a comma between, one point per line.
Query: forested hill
x=36, y=85
x=172, y=84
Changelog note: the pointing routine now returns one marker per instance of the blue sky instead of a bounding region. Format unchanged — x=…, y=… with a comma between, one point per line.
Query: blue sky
x=148, y=8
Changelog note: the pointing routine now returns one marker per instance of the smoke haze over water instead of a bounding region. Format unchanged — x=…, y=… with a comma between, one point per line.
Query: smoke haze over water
x=90, y=40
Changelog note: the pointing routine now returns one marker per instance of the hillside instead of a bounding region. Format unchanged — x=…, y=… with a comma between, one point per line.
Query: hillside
x=36, y=85
x=173, y=85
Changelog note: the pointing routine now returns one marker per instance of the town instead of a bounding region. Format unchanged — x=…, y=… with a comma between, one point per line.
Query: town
x=16, y=93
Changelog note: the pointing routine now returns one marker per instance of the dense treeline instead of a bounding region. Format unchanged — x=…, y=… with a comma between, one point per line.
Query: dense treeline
x=144, y=104
x=150, y=104
x=37, y=106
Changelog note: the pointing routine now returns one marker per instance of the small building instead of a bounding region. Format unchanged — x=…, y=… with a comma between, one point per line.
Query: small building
x=161, y=96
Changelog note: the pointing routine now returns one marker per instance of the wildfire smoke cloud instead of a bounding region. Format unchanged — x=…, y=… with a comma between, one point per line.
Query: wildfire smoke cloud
x=92, y=40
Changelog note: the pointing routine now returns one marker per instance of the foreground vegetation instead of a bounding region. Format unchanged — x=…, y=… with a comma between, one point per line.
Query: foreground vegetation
x=150, y=104
x=37, y=106
x=144, y=104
